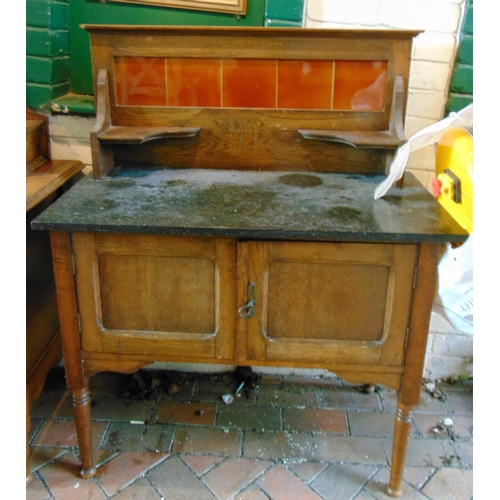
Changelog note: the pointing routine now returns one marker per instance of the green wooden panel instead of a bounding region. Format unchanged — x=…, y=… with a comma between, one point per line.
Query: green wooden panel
x=47, y=14
x=462, y=80
x=75, y=104
x=43, y=42
x=289, y=10
x=468, y=26
x=280, y=23
x=46, y=70
x=466, y=50
x=59, y=15
x=38, y=70
x=457, y=102
x=39, y=95
x=83, y=12
x=37, y=13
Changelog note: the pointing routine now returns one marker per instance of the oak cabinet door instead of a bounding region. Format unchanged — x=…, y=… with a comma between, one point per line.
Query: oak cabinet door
x=153, y=294
x=330, y=302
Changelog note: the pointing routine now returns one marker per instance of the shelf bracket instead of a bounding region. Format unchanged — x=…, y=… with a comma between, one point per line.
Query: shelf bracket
x=105, y=134
x=392, y=138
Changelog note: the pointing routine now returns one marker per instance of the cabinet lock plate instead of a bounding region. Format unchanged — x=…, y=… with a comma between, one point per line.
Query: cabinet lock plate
x=247, y=311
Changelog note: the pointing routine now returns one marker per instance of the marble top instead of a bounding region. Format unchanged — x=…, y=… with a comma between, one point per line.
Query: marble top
x=252, y=204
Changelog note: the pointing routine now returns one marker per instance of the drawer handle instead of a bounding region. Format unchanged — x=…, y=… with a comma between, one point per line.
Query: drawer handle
x=248, y=309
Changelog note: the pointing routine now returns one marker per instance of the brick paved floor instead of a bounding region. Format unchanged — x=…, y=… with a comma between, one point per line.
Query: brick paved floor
x=166, y=435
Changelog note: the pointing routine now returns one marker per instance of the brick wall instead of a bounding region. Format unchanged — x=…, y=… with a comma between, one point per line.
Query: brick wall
x=47, y=50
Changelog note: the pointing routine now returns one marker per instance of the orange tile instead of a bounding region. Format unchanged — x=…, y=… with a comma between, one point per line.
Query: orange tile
x=249, y=83
x=186, y=413
x=193, y=82
x=281, y=484
x=139, y=490
x=200, y=464
x=205, y=440
x=140, y=81
x=233, y=475
x=315, y=420
x=305, y=84
x=41, y=455
x=125, y=468
x=175, y=481
x=35, y=490
x=359, y=85
x=447, y=479
x=63, y=433
x=279, y=445
x=62, y=476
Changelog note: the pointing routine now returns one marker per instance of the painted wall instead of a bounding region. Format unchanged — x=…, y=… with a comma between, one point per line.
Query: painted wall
x=47, y=50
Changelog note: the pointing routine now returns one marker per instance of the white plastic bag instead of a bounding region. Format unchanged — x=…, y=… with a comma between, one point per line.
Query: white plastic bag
x=454, y=300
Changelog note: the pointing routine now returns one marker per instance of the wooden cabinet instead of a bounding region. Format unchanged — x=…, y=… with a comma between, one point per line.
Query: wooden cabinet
x=176, y=297
x=156, y=295
x=330, y=303
x=360, y=310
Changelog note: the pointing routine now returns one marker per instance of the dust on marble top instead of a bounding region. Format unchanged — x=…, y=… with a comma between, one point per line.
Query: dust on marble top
x=251, y=204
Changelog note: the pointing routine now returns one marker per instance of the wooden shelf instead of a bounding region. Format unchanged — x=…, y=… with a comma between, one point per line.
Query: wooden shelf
x=358, y=139
x=392, y=138
x=139, y=135
x=48, y=178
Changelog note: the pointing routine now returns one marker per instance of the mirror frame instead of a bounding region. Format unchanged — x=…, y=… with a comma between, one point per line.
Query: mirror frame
x=238, y=7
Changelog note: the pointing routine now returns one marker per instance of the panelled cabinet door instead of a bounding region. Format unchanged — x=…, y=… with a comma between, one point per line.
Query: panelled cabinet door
x=152, y=294
x=330, y=302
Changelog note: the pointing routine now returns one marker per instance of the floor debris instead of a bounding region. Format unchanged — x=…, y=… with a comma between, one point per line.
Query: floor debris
x=435, y=392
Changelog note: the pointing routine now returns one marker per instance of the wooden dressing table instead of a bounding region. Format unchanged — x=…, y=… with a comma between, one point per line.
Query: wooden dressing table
x=231, y=216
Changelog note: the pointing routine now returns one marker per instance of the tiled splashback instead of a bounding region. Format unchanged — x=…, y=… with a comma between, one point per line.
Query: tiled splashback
x=250, y=83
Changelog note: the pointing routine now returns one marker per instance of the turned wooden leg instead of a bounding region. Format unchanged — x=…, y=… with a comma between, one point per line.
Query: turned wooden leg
x=402, y=428
x=409, y=392
x=76, y=378
x=81, y=410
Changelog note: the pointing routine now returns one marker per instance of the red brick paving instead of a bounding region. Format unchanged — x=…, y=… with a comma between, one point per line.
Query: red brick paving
x=281, y=484
x=287, y=440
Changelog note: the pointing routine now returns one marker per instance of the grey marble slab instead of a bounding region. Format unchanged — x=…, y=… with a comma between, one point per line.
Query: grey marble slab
x=247, y=204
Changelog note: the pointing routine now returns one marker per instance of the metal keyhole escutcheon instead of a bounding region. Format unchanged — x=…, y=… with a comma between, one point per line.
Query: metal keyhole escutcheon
x=248, y=309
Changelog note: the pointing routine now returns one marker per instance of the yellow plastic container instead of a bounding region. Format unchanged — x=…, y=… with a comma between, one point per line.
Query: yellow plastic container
x=453, y=184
